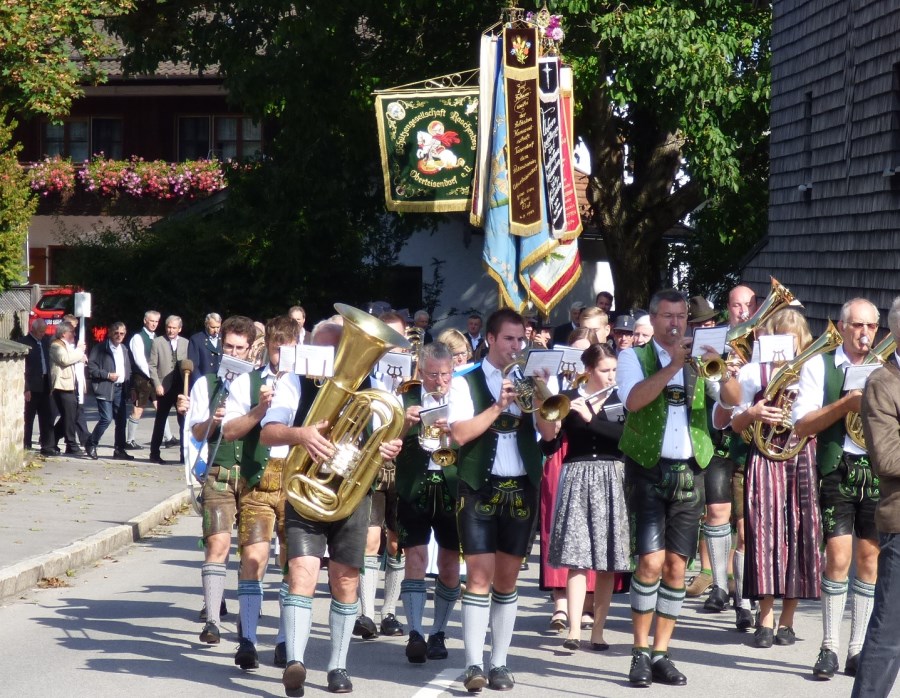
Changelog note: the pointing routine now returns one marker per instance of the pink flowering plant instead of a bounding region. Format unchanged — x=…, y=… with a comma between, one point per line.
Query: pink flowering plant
x=54, y=175
x=549, y=29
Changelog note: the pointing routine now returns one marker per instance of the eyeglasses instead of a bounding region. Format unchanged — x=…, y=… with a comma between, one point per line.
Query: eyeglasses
x=434, y=376
x=864, y=325
x=460, y=353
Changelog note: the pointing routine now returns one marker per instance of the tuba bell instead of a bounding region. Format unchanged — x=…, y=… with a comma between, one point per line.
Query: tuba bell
x=776, y=441
x=332, y=490
x=880, y=354
x=740, y=337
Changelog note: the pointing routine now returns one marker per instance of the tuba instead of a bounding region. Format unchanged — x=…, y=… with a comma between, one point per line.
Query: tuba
x=775, y=441
x=332, y=490
x=740, y=337
x=880, y=354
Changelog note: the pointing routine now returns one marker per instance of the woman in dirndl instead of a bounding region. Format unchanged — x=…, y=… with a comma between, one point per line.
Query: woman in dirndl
x=590, y=523
x=782, y=522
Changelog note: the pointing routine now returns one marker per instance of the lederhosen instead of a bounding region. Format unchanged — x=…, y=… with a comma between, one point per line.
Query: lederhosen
x=140, y=381
x=221, y=488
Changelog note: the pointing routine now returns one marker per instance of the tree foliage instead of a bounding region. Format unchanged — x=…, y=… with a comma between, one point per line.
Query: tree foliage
x=16, y=207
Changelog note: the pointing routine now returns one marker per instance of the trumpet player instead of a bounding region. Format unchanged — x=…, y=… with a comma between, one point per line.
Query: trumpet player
x=261, y=503
x=499, y=472
x=849, y=490
x=427, y=502
x=307, y=539
x=667, y=446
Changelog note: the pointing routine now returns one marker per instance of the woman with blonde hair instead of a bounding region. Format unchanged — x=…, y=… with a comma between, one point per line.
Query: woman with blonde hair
x=458, y=346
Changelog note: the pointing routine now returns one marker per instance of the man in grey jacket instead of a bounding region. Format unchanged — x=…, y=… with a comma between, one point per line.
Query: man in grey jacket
x=109, y=368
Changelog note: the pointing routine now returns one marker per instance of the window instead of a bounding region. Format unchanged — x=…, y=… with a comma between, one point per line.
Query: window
x=193, y=137
x=237, y=137
x=106, y=137
x=68, y=139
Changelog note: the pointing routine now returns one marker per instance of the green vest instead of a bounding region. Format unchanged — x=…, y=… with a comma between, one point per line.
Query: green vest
x=148, y=343
x=412, y=463
x=254, y=455
x=477, y=457
x=830, y=443
x=644, y=429
x=229, y=452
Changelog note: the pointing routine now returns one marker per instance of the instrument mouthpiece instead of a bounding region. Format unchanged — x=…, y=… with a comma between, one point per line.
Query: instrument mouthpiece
x=674, y=332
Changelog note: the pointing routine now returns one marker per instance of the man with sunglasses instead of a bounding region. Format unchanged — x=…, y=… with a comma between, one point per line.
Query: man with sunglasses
x=109, y=369
x=848, y=491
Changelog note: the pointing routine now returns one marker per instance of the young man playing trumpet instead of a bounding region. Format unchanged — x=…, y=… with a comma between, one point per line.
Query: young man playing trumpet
x=427, y=501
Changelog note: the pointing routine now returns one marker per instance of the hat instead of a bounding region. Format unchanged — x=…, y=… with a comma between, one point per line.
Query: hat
x=699, y=310
x=624, y=323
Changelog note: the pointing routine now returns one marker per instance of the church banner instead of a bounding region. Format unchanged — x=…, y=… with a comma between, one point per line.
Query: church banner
x=428, y=139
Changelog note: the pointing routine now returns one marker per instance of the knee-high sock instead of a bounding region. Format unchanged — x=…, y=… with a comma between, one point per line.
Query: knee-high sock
x=393, y=575
x=643, y=595
x=739, y=599
x=860, y=610
x=669, y=602
x=412, y=593
x=503, y=623
x=131, y=429
x=213, y=576
x=718, y=542
x=282, y=594
x=297, y=624
x=341, y=619
x=476, y=615
x=368, y=582
x=444, y=601
x=834, y=599
x=167, y=433
x=250, y=597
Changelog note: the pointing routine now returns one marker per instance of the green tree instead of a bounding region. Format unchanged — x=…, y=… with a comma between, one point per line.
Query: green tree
x=38, y=76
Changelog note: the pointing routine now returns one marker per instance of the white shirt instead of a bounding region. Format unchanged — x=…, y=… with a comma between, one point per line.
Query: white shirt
x=118, y=353
x=508, y=461
x=676, y=437
x=197, y=413
x=812, y=392
x=137, y=350
x=283, y=409
x=239, y=402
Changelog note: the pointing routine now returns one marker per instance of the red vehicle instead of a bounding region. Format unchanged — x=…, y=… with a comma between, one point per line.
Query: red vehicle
x=52, y=306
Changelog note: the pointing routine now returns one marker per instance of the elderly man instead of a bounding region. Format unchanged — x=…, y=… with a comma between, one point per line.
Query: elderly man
x=37, y=387
x=643, y=330
x=474, y=336
x=166, y=355
x=64, y=355
x=848, y=491
x=205, y=348
x=667, y=447
x=561, y=332
x=142, y=389
x=109, y=368
x=421, y=320
x=880, y=658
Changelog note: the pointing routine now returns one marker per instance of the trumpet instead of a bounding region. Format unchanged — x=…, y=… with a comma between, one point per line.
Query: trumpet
x=429, y=434
x=530, y=389
x=712, y=370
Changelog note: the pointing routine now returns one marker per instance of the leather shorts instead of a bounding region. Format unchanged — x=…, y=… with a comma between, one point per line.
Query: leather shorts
x=219, y=499
x=848, y=497
x=262, y=507
x=665, y=504
x=717, y=480
x=434, y=509
x=498, y=517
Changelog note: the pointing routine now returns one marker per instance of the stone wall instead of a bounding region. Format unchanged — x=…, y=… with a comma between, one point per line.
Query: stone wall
x=12, y=407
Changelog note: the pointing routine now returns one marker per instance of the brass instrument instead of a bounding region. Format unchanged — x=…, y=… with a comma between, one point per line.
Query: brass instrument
x=712, y=370
x=594, y=398
x=740, y=337
x=579, y=380
x=416, y=338
x=443, y=454
x=880, y=354
x=332, y=490
x=775, y=441
x=531, y=388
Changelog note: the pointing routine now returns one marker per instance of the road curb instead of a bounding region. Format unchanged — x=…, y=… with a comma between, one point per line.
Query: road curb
x=26, y=574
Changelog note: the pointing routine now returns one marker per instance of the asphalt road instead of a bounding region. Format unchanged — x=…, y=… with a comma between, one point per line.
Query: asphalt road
x=127, y=626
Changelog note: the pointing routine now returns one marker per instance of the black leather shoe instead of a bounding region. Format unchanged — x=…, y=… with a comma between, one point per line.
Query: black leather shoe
x=223, y=611
x=159, y=460
x=210, y=634
x=122, y=455
x=571, y=644
x=851, y=665
x=743, y=619
x=365, y=628
x=763, y=637
x=641, y=673
x=293, y=678
x=48, y=452
x=717, y=600
x=91, y=450
x=436, y=647
x=246, y=656
x=501, y=679
x=74, y=451
x=474, y=680
x=339, y=681
x=390, y=626
x=280, y=659
x=133, y=445
x=416, y=648
x=664, y=671
x=785, y=636
x=174, y=441
x=826, y=664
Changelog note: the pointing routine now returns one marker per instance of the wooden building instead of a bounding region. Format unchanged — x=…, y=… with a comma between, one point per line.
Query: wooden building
x=834, y=186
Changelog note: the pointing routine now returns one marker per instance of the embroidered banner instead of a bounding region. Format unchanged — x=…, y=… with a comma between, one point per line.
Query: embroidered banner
x=428, y=140
x=551, y=143
x=487, y=81
x=520, y=50
x=570, y=196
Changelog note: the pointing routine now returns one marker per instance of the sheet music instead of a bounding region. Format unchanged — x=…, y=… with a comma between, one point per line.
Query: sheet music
x=315, y=361
x=394, y=367
x=709, y=337
x=231, y=367
x=855, y=377
x=287, y=359
x=776, y=348
x=571, y=360
x=433, y=414
x=540, y=361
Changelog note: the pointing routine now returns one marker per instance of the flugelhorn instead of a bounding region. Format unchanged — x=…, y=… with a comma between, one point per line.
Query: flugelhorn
x=530, y=389
x=331, y=491
x=429, y=435
x=880, y=354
